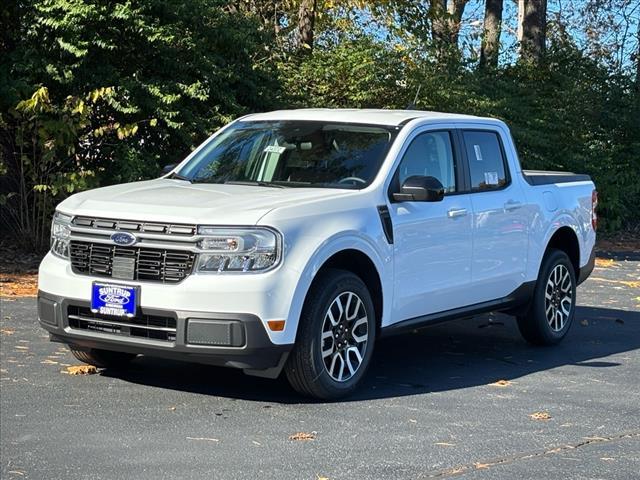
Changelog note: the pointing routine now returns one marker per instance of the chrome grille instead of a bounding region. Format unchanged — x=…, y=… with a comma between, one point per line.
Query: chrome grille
x=135, y=226
x=154, y=327
x=130, y=263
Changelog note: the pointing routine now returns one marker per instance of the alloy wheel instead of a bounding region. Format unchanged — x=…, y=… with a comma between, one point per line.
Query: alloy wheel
x=345, y=335
x=558, y=297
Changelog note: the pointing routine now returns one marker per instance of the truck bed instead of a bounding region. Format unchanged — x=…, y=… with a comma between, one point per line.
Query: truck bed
x=544, y=177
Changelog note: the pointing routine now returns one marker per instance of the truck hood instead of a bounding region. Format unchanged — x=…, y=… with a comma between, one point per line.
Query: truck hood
x=178, y=201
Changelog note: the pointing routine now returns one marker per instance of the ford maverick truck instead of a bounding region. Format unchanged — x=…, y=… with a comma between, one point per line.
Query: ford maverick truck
x=291, y=241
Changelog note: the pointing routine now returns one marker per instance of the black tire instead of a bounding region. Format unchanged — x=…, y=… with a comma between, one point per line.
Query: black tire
x=535, y=325
x=305, y=368
x=103, y=358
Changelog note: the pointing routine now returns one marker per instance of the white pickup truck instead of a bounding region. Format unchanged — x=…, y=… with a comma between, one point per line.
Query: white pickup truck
x=292, y=240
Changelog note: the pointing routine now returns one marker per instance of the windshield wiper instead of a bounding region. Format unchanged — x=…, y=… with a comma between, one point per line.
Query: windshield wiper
x=256, y=183
x=177, y=176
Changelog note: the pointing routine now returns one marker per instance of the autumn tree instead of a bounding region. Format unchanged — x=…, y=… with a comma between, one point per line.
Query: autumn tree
x=532, y=29
x=490, y=47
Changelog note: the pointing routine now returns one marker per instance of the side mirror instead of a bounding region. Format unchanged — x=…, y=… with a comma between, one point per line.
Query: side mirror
x=167, y=168
x=420, y=189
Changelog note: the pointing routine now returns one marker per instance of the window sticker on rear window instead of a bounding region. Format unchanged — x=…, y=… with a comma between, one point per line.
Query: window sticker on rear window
x=476, y=148
x=491, y=178
x=274, y=149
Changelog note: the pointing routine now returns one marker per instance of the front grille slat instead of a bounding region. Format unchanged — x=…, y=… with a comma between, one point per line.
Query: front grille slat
x=153, y=264
x=155, y=327
x=138, y=226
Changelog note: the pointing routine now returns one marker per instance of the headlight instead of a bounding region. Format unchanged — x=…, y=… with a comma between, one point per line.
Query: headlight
x=60, y=233
x=238, y=249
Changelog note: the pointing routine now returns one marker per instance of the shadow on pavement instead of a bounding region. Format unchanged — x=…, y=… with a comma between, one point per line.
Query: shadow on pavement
x=450, y=356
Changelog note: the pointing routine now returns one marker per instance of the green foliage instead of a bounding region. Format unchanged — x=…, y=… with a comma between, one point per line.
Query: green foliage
x=570, y=113
x=96, y=92
x=120, y=89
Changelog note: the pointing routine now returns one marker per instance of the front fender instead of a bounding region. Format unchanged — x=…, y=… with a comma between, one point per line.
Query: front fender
x=377, y=252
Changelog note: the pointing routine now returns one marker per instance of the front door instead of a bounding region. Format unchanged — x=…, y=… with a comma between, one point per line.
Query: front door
x=432, y=240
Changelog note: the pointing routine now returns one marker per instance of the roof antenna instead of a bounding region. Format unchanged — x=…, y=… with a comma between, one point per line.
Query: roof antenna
x=412, y=105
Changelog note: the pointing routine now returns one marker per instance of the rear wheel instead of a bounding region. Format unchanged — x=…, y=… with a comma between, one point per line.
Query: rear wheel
x=335, y=337
x=103, y=358
x=552, y=308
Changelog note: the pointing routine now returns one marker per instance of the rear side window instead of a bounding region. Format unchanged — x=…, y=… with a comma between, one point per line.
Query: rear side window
x=486, y=160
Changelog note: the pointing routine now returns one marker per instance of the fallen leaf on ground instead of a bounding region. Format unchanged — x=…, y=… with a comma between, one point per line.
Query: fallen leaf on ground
x=20, y=285
x=320, y=477
x=80, y=370
x=204, y=439
x=605, y=262
x=302, y=436
x=540, y=416
x=7, y=331
x=500, y=383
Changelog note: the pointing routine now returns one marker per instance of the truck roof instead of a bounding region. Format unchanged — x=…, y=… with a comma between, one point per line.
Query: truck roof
x=365, y=116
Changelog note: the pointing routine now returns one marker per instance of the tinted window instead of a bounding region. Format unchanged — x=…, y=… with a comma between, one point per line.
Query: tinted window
x=486, y=162
x=430, y=154
x=292, y=154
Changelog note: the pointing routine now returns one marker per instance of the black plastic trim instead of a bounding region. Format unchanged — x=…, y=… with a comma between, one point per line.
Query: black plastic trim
x=588, y=268
x=387, y=223
x=519, y=297
x=543, y=177
x=257, y=353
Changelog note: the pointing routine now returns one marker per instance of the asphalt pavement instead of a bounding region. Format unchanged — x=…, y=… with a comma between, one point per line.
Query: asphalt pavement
x=429, y=408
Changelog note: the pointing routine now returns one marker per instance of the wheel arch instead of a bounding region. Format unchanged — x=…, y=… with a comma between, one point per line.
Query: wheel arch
x=566, y=240
x=351, y=254
x=358, y=263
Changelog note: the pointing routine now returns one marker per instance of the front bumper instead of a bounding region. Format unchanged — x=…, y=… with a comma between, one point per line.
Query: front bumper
x=225, y=339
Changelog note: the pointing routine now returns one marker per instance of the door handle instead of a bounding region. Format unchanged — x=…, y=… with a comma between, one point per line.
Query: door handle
x=512, y=205
x=456, y=212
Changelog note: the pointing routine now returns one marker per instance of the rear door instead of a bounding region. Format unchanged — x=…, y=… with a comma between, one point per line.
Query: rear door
x=500, y=222
x=432, y=240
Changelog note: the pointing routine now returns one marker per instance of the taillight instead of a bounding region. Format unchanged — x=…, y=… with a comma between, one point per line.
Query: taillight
x=594, y=206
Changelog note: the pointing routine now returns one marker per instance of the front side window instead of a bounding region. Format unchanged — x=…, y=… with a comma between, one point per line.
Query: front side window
x=486, y=161
x=430, y=154
x=292, y=154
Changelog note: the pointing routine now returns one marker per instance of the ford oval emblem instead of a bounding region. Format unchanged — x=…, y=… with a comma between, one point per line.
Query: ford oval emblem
x=123, y=238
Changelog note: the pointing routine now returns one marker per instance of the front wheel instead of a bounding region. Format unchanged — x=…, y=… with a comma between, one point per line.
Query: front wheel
x=553, y=305
x=335, y=337
x=103, y=358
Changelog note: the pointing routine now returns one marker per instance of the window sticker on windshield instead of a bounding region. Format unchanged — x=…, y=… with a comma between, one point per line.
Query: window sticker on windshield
x=274, y=149
x=491, y=178
x=478, y=152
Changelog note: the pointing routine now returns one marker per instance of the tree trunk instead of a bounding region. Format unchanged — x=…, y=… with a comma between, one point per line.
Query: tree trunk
x=446, y=16
x=638, y=62
x=306, y=20
x=491, y=34
x=532, y=29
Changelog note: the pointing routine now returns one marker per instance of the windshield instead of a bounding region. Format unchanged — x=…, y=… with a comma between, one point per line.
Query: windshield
x=292, y=154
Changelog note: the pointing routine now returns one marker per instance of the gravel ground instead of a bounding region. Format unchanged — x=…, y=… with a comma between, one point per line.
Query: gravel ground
x=427, y=408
